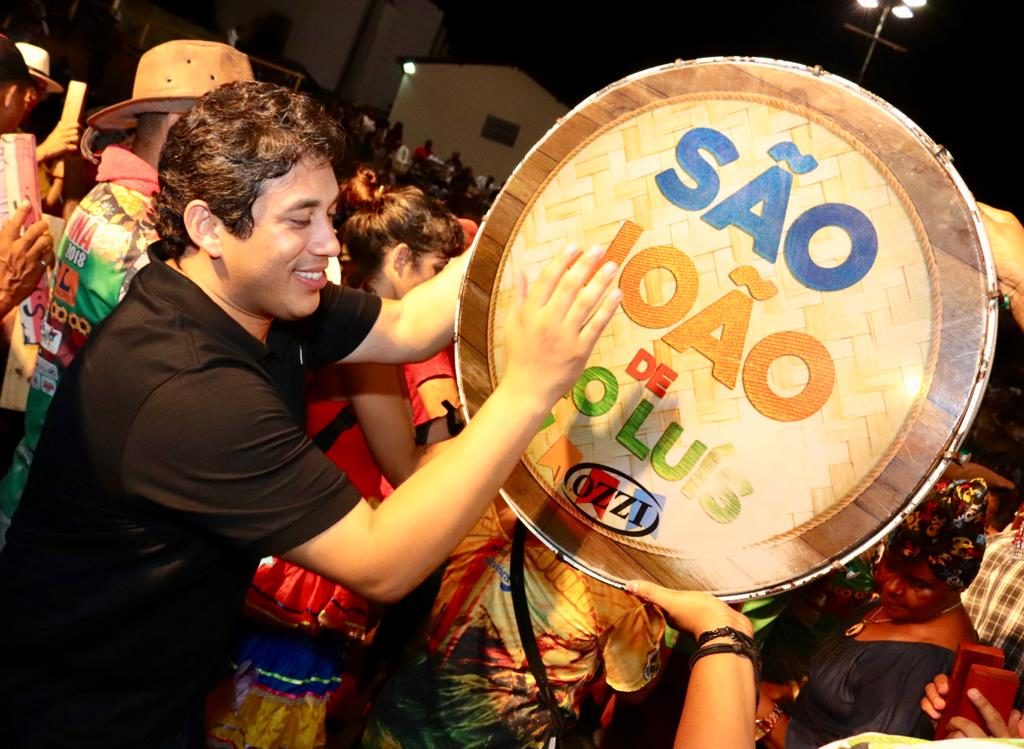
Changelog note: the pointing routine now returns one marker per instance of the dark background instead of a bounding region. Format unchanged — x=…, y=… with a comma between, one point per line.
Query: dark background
x=959, y=79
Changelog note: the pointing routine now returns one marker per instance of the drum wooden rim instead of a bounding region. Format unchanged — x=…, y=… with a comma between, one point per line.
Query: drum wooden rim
x=965, y=348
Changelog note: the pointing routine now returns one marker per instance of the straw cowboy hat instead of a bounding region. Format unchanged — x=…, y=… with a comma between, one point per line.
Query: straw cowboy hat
x=38, y=61
x=170, y=77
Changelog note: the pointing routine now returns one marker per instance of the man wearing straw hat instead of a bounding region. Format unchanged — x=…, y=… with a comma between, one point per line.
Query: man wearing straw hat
x=64, y=138
x=15, y=81
x=110, y=228
x=38, y=61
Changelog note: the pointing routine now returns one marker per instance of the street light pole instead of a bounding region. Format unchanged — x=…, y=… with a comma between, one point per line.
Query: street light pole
x=874, y=41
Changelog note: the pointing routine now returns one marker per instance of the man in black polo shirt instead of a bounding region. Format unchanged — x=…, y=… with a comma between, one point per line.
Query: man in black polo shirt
x=173, y=456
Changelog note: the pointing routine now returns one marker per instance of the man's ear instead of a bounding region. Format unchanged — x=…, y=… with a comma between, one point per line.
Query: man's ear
x=203, y=228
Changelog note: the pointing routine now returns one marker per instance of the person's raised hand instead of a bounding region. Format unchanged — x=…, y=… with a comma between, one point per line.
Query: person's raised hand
x=554, y=323
x=995, y=726
x=62, y=141
x=934, y=700
x=23, y=259
x=1006, y=238
x=691, y=611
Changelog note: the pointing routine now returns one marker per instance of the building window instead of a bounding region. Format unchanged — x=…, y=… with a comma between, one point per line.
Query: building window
x=500, y=130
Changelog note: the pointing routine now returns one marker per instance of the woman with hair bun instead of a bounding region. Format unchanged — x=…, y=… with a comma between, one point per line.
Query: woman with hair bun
x=394, y=239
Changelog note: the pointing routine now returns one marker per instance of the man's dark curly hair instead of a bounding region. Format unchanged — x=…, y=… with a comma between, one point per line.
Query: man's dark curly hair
x=228, y=145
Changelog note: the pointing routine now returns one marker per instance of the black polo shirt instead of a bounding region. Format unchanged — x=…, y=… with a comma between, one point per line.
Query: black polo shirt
x=172, y=459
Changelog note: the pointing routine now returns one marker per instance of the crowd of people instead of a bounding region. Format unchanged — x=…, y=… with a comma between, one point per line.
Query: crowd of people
x=379, y=144
x=246, y=512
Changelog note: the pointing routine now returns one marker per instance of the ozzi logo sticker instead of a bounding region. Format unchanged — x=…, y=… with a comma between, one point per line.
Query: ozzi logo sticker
x=613, y=500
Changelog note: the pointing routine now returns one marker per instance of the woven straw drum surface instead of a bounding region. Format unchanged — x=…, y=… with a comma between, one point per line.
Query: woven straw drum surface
x=805, y=333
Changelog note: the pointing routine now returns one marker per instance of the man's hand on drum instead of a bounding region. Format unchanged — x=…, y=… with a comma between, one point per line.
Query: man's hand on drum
x=554, y=323
x=1006, y=237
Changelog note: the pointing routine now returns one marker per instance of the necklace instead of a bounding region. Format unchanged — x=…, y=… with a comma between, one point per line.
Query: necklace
x=856, y=629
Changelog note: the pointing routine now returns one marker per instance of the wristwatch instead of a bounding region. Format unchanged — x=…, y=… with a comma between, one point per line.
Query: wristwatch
x=764, y=726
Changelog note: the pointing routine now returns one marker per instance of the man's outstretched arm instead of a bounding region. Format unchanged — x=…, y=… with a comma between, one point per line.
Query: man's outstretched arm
x=417, y=326
x=552, y=329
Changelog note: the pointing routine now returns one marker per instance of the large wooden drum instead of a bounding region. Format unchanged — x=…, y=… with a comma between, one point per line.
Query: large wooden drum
x=806, y=330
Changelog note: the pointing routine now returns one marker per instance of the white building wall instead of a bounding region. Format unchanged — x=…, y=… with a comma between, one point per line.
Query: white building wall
x=404, y=28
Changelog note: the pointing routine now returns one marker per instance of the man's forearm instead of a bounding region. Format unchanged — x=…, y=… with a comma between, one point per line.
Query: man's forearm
x=419, y=325
x=427, y=318
x=554, y=324
x=719, y=708
x=385, y=552
x=427, y=516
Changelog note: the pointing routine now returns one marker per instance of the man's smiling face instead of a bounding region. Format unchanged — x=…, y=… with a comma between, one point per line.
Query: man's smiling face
x=277, y=272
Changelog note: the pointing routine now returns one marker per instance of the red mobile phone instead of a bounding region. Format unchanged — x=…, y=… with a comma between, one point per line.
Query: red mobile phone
x=967, y=655
x=998, y=685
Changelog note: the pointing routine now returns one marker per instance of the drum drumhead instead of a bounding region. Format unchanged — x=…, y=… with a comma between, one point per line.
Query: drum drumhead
x=807, y=324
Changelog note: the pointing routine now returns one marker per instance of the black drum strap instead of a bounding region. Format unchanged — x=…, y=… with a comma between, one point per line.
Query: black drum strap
x=343, y=421
x=527, y=637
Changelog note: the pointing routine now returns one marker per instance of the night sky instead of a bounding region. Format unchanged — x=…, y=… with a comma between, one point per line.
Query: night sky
x=959, y=80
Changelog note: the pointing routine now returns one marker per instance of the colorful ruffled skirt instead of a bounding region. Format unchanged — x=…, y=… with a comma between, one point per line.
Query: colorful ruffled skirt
x=281, y=693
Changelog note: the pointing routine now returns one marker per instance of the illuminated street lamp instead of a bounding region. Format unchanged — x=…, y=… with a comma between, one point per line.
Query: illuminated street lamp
x=899, y=8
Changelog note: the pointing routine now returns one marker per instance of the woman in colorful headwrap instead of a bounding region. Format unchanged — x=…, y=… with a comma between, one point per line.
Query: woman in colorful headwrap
x=869, y=677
